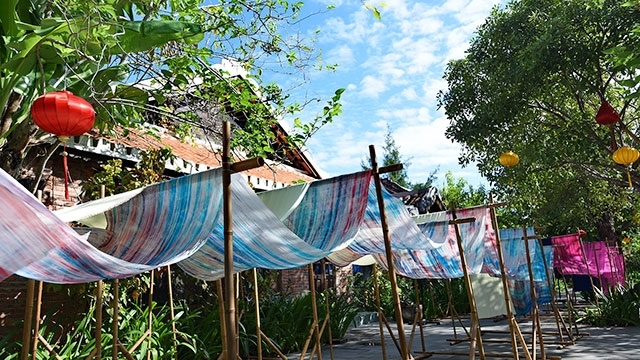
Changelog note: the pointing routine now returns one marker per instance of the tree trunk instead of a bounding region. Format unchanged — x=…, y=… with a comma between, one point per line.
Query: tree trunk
x=606, y=228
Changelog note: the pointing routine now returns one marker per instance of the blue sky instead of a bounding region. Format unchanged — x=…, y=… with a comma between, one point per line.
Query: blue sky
x=392, y=70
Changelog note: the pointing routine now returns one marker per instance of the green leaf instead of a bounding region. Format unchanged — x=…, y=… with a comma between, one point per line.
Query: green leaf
x=8, y=17
x=146, y=35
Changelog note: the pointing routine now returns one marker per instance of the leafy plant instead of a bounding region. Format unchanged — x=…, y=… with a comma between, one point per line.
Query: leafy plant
x=621, y=307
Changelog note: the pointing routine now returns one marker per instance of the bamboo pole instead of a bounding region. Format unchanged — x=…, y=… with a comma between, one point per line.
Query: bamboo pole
x=404, y=352
x=173, y=314
x=115, y=318
x=36, y=325
x=150, y=317
x=376, y=289
x=513, y=325
x=257, y=309
x=314, y=307
x=536, y=315
x=230, y=313
x=98, y=311
x=98, y=314
x=28, y=319
x=476, y=336
x=326, y=303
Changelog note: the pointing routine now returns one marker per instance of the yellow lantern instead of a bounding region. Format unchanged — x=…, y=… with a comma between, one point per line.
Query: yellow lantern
x=509, y=159
x=626, y=240
x=626, y=156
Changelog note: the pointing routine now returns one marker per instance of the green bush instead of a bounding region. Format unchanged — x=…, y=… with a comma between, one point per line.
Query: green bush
x=621, y=307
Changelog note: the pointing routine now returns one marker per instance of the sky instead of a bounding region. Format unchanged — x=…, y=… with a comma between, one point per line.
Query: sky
x=392, y=70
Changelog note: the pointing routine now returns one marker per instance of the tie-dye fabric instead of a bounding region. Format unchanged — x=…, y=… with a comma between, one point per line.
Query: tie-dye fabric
x=517, y=268
x=260, y=240
x=28, y=230
x=162, y=225
x=443, y=262
x=332, y=211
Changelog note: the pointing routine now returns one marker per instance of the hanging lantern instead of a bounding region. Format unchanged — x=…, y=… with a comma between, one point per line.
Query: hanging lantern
x=64, y=115
x=626, y=240
x=607, y=115
x=509, y=159
x=626, y=156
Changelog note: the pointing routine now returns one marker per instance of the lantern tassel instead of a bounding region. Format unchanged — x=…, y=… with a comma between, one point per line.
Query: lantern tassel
x=66, y=172
x=629, y=177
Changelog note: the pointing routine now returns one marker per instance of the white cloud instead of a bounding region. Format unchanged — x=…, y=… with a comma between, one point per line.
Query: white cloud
x=372, y=87
x=393, y=70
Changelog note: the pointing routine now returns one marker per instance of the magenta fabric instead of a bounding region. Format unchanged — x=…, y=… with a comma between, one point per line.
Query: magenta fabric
x=594, y=258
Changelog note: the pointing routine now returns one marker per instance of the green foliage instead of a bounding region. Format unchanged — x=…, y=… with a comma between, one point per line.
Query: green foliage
x=621, y=307
x=117, y=179
x=118, y=55
x=461, y=193
x=532, y=81
x=80, y=341
x=391, y=156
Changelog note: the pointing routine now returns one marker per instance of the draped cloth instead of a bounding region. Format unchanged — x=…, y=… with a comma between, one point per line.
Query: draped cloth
x=517, y=268
x=29, y=231
x=369, y=240
x=163, y=224
x=260, y=240
x=443, y=262
x=593, y=258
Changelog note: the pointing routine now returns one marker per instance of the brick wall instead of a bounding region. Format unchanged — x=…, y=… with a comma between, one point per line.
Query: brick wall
x=60, y=304
x=294, y=281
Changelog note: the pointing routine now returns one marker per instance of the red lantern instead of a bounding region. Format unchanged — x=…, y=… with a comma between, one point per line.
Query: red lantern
x=64, y=115
x=607, y=115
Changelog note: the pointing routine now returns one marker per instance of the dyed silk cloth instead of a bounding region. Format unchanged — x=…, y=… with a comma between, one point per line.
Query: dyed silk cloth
x=517, y=268
x=163, y=224
x=332, y=211
x=443, y=262
x=594, y=258
x=403, y=231
x=29, y=231
x=260, y=240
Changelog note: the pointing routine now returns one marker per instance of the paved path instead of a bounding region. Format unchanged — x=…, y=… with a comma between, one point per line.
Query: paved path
x=363, y=342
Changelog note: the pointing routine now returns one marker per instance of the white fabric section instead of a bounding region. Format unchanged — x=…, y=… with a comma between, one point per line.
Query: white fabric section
x=366, y=260
x=92, y=213
x=284, y=200
x=489, y=295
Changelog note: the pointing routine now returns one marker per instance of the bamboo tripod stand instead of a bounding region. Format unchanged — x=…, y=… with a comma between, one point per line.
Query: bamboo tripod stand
x=475, y=335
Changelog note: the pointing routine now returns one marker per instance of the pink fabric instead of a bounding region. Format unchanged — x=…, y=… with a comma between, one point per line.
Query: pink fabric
x=593, y=258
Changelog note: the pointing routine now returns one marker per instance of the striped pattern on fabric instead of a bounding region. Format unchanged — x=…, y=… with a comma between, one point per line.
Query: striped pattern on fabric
x=151, y=230
x=443, y=262
x=28, y=230
x=260, y=240
x=332, y=211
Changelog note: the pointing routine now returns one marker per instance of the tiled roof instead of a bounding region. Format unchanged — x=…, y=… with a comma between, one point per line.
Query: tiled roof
x=191, y=156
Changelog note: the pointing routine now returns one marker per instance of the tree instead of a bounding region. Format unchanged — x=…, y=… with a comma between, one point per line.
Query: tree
x=532, y=81
x=459, y=192
x=391, y=156
x=105, y=51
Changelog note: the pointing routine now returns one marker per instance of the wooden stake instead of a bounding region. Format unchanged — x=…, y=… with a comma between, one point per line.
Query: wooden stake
x=513, y=325
x=28, y=319
x=536, y=315
x=230, y=313
x=404, y=352
x=380, y=313
x=475, y=336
